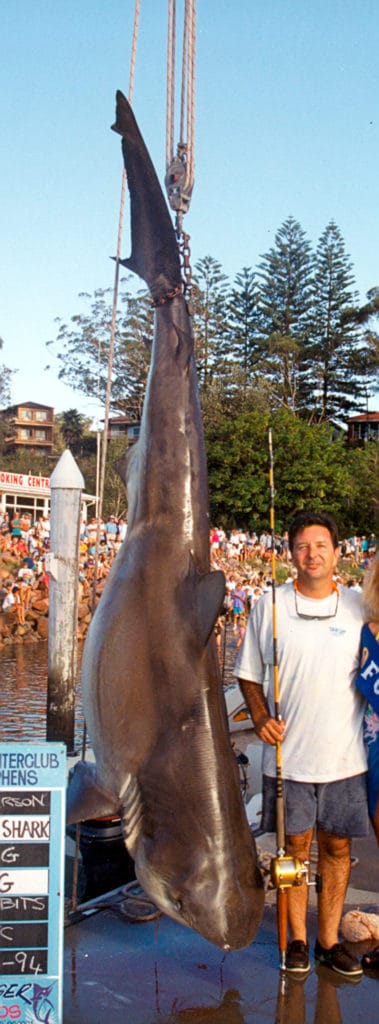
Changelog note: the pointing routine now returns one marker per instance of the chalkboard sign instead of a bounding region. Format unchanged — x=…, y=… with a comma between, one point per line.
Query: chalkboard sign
x=32, y=831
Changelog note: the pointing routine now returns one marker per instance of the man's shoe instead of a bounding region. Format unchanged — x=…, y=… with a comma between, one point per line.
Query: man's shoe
x=339, y=960
x=297, y=957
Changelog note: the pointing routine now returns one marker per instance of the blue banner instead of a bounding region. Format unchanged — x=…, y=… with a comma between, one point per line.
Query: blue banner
x=368, y=679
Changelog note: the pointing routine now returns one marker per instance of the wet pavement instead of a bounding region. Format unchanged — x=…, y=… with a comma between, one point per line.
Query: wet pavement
x=158, y=972
x=120, y=972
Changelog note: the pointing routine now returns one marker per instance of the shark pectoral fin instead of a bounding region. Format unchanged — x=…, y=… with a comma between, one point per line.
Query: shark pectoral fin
x=85, y=798
x=210, y=592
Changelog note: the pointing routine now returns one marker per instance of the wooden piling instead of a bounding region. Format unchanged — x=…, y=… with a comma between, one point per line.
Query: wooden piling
x=66, y=486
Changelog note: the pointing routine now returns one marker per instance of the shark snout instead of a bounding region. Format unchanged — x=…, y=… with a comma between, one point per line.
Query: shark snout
x=229, y=920
x=228, y=917
x=222, y=901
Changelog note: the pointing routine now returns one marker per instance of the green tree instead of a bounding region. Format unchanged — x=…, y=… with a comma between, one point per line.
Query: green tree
x=5, y=384
x=361, y=512
x=6, y=422
x=72, y=426
x=7, y=433
x=209, y=300
x=242, y=343
x=311, y=469
x=370, y=349
x=285, y=299
x=82, y=349
x=336, y=384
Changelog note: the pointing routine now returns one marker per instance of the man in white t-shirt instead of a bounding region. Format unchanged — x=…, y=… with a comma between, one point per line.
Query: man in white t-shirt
x=320, y=731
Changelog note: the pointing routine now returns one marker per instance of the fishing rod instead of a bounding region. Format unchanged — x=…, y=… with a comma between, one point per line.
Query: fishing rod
x=285, y=871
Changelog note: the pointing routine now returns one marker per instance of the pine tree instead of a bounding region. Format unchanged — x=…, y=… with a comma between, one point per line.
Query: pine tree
x=243, y=340
x=285, y=298
x=209, y=298
x=337, y=384
x=369, y=350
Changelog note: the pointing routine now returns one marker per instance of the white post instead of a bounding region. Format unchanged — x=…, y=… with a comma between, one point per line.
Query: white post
x=66, y=486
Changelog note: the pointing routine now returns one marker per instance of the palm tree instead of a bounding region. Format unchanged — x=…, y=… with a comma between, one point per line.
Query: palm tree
x=72, y=427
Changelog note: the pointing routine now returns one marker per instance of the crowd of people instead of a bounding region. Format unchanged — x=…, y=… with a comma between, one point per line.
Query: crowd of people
x=24, y=553
x=246, y=559
x=241, y=546
x=26, y=543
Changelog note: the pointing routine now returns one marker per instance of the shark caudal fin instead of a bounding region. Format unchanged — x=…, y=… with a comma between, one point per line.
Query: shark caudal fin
x=155, y=254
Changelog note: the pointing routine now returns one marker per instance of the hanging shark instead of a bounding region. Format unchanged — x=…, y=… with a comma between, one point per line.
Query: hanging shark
x=150, y=679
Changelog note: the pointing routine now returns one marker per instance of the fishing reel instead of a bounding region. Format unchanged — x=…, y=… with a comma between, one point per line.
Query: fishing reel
x=286, y=872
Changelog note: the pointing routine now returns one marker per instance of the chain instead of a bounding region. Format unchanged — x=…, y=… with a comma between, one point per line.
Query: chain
x=156, y=303
x=185, y=256
x=179, y=177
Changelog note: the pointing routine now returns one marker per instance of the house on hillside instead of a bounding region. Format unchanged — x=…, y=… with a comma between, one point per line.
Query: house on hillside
x=122, y=426
x=362, y=428
x=30, y=427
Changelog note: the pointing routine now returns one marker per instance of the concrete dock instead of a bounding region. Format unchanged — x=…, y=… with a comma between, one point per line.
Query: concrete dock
x=158, y=972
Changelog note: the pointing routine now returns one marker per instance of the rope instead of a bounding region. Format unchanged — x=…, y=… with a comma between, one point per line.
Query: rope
x=74, y=894
x=184, y=75
x=113, y=324
x=191, y=96
x=115, y=299
x=180, y=168
x=170, y=112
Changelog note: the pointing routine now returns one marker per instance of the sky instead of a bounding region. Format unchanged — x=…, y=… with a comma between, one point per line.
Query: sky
x=287, y=124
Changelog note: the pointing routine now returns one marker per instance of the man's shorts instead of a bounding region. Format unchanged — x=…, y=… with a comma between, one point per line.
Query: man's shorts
x=336, y=807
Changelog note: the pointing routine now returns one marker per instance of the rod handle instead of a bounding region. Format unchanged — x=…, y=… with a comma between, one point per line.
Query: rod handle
x=282, y=920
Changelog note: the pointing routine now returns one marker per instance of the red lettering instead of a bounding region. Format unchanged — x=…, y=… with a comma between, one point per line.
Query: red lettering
x=8, y=479
x=18, y=480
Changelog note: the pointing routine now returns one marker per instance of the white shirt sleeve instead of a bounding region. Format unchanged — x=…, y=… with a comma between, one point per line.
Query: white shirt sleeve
x=252, y=657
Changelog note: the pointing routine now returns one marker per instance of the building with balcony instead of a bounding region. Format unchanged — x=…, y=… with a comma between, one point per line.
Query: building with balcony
x=30, y=427
x=362, y=428
x=122, y=427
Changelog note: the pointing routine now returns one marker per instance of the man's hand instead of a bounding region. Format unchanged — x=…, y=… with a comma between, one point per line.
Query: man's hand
x=266, y=727
x=270, y=731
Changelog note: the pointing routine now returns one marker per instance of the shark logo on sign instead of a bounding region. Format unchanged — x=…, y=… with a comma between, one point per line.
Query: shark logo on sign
x=42, y=1006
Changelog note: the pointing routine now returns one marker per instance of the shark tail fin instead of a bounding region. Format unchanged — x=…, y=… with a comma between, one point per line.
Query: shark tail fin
x=155, y=253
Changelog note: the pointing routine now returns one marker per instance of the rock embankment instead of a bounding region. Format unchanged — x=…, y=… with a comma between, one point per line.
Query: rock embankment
x=36, y=615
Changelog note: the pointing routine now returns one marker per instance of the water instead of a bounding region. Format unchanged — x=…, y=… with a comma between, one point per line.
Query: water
x=23, y=695
x=23, y=690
